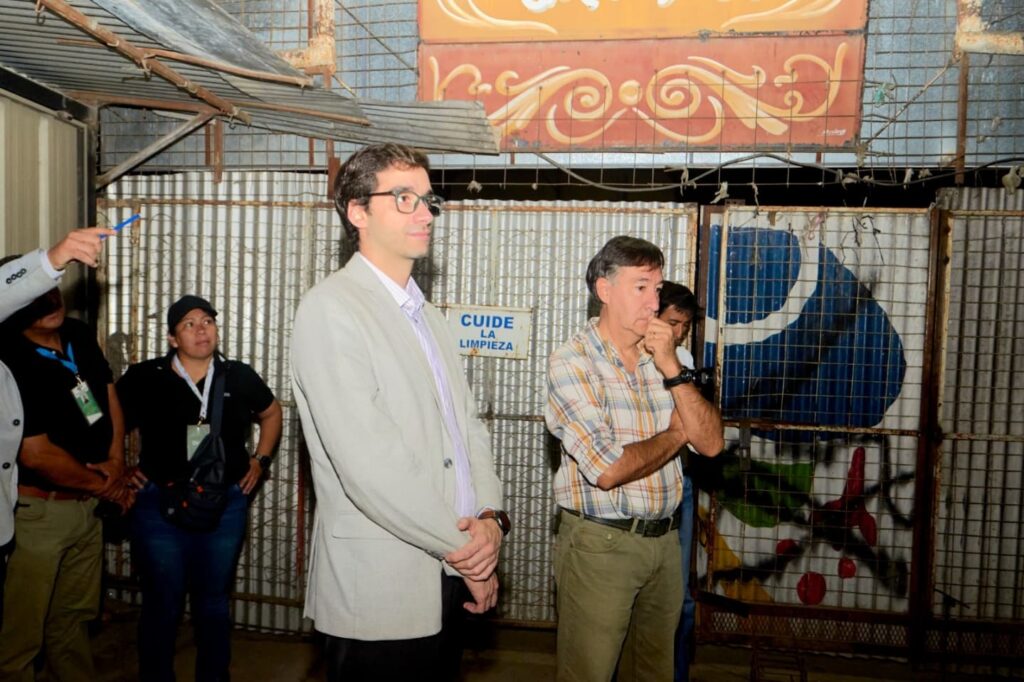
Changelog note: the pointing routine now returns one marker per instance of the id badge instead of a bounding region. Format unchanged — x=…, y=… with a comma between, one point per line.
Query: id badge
x=87, y=404
x=196, y=434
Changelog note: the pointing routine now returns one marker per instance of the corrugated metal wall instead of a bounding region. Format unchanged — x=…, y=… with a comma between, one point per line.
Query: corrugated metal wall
x=979, y=571
x=42, y=184
x=254, y=243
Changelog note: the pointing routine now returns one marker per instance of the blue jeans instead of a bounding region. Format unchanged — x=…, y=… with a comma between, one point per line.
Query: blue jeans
x=685, y=629
x=172, y=561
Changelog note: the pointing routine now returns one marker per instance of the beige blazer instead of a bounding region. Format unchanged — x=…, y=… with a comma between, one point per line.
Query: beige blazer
x=372, y=422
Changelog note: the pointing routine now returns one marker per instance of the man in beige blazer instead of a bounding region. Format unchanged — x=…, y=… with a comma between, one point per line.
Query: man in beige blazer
x=409, y=510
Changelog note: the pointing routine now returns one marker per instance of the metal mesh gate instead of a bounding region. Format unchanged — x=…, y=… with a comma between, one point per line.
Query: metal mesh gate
x=817, y=321
x=870, y=498
x=255, y=242
x=978, y=598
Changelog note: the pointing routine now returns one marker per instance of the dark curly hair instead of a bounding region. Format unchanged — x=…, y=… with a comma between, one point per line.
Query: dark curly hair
x=357, y=177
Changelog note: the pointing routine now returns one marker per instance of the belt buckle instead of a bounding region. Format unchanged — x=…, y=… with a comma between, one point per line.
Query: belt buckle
x=653, y=528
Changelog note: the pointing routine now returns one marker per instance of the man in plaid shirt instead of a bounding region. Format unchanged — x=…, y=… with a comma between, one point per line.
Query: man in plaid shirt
x=623, y=406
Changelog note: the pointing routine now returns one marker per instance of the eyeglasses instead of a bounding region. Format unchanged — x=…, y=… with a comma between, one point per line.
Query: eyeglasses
x=406, y=201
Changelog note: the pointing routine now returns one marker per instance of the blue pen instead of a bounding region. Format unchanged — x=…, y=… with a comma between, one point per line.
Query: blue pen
x=124, y=223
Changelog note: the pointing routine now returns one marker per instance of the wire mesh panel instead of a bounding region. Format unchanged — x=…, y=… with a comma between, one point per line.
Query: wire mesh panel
x=255, y=242
x=979, y=572
x=817, y=322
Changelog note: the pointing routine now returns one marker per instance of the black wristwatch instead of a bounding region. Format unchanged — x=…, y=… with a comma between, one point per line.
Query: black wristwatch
x=263, y=460
x=500, y=517
x=685, y=377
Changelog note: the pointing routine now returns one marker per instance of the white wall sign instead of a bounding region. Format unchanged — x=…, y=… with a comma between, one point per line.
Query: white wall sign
x=491, y=331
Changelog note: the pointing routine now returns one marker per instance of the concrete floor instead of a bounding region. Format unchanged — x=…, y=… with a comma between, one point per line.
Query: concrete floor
x=495, y=655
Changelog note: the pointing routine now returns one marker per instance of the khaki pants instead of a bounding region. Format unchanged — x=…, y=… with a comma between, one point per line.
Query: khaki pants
x=52, y=590
x=618, y=592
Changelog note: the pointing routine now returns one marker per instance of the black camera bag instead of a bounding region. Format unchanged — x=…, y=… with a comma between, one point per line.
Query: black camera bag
x=196, y=502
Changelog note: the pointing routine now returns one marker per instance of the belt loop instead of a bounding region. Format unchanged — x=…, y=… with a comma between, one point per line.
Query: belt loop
x=52, y=496
x=636, y=522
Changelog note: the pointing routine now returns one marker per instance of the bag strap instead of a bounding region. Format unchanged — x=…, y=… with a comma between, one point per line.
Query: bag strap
x=217, y=408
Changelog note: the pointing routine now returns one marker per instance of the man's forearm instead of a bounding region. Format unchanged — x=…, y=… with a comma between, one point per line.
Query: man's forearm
x=58, y=467
x=701, y=420
x=641, y=459
x=116, y=451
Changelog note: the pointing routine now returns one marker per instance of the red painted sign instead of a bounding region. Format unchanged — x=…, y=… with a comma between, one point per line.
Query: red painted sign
x=658, y=95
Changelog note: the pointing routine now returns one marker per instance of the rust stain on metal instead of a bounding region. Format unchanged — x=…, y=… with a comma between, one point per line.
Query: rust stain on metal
x=140, y=57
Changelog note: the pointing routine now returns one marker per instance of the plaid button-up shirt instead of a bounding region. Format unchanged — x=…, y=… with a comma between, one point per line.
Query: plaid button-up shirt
x=596, y=408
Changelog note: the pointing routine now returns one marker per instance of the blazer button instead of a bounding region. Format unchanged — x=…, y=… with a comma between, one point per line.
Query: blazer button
x=447, y=464
x=7, y=465
x=17, y=422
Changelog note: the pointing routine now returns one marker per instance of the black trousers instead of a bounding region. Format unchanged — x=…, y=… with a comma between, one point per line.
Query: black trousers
x=401, y=660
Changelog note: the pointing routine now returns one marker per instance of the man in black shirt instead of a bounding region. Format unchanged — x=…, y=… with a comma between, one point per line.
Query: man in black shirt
x=72, y=453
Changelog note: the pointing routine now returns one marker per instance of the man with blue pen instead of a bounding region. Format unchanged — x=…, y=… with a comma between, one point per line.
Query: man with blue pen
x=71, y=455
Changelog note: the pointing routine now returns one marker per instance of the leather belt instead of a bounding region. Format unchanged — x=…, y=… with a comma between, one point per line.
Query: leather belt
x=58, y=495
x=649, y=528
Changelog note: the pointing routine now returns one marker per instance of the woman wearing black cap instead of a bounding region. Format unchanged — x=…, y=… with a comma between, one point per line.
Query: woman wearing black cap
x=167, y=400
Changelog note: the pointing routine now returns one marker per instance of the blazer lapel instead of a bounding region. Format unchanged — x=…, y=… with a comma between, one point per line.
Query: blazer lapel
x=399, y=326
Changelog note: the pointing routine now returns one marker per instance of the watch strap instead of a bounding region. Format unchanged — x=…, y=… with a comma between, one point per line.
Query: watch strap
x=685, y=377
x=500, y=517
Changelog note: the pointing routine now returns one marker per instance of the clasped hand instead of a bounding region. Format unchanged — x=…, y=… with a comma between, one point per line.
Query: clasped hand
x=478, y=558
x=660, y=342
x=116, y=487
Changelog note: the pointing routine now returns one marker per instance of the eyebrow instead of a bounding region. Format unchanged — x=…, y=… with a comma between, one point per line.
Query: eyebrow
x=407, y=188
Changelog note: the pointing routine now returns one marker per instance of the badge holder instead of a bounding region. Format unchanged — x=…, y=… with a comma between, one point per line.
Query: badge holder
x=87, y=404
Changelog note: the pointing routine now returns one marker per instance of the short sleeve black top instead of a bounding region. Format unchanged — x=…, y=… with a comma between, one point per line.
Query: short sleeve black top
x=45, y=385
x=159, y=402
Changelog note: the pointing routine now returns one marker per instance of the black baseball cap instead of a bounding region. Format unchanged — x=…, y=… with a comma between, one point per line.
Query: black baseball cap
x=183, y=305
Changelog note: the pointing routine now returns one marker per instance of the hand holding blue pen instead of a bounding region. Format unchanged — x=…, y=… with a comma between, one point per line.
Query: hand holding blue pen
x=124, y=223
x=82, y=245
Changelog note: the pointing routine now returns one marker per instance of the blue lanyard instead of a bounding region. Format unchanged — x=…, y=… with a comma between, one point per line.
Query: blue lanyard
x=69, y=363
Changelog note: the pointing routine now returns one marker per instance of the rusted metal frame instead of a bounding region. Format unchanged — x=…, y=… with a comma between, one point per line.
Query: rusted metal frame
x=153, y=149
x=554, y=208
x=963, y=87
x=156, y=201
x=138, y=55
x=216, y=129
x=448, y=207
x=929, y=443
x=972, y=34
x=991, y=42
x=833, y=428
x=804, y=643
x=762, y=609
x=320, y=54
x=101, y=100
x=703, y=625
x=998, y=437
x=229, y=68
x=202, y=61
